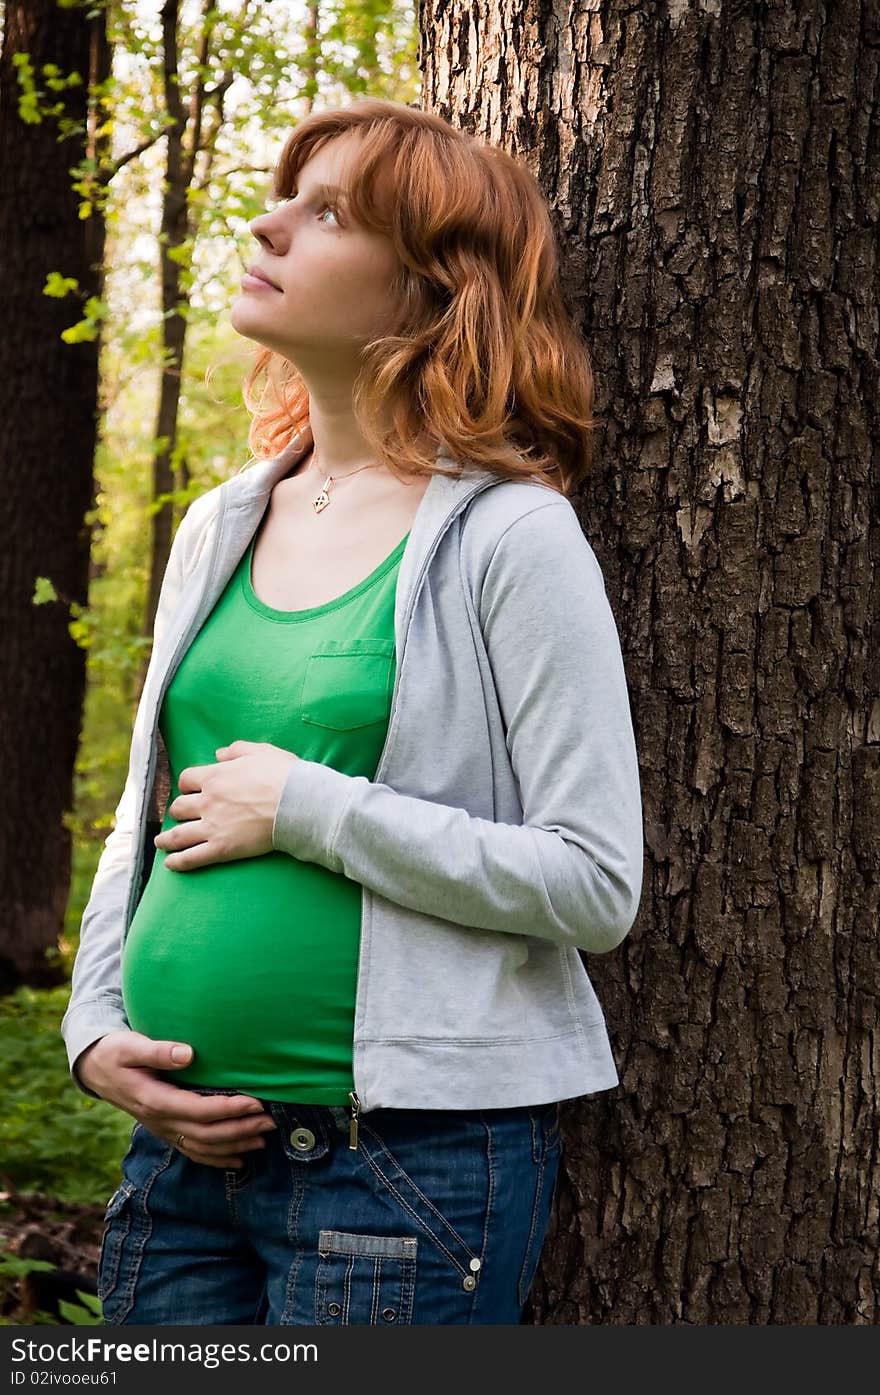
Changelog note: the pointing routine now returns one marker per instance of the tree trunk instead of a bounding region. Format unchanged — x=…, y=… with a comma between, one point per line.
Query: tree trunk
x=48, y=428
x=188, y=137
x=715, y=174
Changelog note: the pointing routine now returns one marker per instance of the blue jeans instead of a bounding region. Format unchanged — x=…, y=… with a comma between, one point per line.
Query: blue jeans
x=436, y=1217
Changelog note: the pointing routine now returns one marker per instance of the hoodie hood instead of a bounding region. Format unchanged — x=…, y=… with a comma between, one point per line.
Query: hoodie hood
x=243, y=498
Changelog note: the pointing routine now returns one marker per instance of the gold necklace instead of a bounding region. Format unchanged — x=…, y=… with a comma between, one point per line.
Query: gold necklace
x=322, y=498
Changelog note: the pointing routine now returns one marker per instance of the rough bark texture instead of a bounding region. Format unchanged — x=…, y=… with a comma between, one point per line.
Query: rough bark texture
x=48, y=428
x=716, y=174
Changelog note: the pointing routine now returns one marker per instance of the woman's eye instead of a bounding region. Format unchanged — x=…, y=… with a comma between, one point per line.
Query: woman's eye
x=326, y=208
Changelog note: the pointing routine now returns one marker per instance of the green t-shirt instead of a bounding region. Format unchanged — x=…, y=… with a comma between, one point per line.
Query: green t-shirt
x=254, y=962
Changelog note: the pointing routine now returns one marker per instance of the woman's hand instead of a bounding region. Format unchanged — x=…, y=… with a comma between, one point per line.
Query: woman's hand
x=227, y=809
x=216, y=1129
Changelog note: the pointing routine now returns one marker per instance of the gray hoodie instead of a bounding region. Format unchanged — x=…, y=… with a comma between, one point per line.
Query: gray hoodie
x=502, y=831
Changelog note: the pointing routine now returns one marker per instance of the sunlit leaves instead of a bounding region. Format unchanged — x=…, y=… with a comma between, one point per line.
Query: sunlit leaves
x=59, y=286
x=32, y=106
x=88, y=328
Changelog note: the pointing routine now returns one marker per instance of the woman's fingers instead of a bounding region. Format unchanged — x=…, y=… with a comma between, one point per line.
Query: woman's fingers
x=225, y=1152
x=229, y=1133
x=217, y=1129
x=232, y=1136
x=216, y=1159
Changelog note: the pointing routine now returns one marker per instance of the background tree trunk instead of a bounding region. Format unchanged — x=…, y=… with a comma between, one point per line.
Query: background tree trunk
x=178, y=228
x=48, y=429
x=715, y=171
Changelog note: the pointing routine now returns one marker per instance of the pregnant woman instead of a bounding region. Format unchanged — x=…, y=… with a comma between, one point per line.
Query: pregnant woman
x=341, y=989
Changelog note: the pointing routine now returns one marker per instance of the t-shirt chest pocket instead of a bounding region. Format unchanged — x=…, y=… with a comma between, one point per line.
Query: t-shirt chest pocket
x=347, y=683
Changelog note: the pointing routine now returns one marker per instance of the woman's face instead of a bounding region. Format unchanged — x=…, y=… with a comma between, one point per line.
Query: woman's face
x=332, y=277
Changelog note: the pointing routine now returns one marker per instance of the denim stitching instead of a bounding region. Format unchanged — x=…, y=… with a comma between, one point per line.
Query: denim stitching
x=537, y=1135
x=416, y=1189
x=407, y=1290
x=229, y=1192
x=527, y=1257
x=548, y=1144
x=404, y=1273
x=108, y=1261
x=377, y=1284
x=139, y=1233
x=320, y=1290
x=487, y=1223
x=415, y=1215
x=296, y=1196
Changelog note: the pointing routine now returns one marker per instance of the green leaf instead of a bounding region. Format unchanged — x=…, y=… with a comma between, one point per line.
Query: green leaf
x=80, y=1316
x=84, y=331
x=14, y=1266
x=60, y=286
x=44, y=591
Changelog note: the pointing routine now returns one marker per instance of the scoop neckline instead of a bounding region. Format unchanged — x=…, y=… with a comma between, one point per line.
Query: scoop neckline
x=311, y=612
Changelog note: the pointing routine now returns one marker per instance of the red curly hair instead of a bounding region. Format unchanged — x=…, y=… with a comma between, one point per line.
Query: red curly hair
x=482, y=357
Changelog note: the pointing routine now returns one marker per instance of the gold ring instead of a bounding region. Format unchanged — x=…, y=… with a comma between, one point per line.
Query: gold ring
x=178, y=1140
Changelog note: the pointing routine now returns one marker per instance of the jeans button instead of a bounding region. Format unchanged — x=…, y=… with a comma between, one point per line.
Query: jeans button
x=302, y=1139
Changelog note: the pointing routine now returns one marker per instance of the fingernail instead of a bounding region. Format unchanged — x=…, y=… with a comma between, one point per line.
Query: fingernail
x=180, y=1053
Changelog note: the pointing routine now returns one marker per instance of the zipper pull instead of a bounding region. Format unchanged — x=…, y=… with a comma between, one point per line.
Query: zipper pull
x=353, y=1126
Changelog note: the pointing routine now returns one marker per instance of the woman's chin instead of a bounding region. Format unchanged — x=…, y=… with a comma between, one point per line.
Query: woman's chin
x=239, y=307
x=242, y=323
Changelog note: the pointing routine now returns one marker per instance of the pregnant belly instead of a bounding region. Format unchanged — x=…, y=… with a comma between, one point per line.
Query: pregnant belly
x=254, y=964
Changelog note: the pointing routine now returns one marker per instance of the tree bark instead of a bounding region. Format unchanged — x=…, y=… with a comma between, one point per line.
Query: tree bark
x=714, y=171
x=48, y=429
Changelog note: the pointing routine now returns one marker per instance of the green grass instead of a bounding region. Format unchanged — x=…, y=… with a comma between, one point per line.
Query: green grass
x=53, y=1138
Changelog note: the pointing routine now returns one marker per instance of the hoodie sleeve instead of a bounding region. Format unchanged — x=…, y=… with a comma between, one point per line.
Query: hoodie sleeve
x=571, y=872
x=95, y=1006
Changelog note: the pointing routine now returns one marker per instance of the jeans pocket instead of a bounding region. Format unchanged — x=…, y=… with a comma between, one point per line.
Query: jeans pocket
x=128, y=1223
x=435, y=1172
x=365, y=1280
x=117, y=1223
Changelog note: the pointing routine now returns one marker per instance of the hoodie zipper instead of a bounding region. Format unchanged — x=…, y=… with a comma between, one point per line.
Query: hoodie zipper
x=353, y=1126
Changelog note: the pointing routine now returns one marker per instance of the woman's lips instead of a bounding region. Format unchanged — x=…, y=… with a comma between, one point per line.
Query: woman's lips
x=255, y=283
